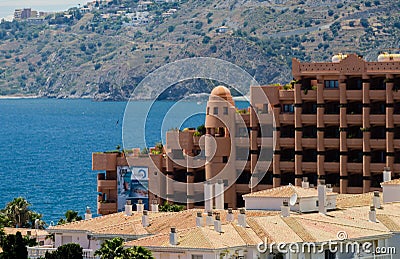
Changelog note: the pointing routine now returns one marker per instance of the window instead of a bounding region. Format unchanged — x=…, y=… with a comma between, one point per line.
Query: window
x=331, y=84
x=287, y=108
x=197, y=257
x=332, y=108
x=215, y=110
x=354, y=83
x=208, y=110
x=309, y=108
x=224, y=159
x=225, y=110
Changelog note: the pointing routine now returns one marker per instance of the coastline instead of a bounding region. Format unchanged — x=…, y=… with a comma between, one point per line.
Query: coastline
x=5, y=97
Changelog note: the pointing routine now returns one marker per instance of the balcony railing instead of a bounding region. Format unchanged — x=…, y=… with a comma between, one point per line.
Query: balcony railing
x=39, y=252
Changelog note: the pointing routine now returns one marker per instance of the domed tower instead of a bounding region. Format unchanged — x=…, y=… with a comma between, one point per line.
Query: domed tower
x=220, y=127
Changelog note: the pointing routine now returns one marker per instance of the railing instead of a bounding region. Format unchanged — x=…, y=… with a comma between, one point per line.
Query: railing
x=38, y=252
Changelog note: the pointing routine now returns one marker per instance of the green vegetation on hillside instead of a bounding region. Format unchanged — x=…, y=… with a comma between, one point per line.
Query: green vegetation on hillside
x=105, y=53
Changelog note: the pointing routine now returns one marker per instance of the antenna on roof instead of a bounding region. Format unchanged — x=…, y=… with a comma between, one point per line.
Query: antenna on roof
x=293, y=199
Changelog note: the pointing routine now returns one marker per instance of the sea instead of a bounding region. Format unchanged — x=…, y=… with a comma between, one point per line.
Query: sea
x=46, y=145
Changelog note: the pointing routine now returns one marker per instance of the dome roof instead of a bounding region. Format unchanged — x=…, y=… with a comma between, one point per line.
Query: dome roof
x=222, y=92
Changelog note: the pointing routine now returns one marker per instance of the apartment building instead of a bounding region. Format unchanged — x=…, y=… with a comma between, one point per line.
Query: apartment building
x=338, y=121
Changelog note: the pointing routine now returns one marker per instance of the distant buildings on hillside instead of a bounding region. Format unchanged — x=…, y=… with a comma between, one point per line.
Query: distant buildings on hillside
x=28, y=13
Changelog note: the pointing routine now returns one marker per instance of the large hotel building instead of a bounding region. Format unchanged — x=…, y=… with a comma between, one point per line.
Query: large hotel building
x=338, y=121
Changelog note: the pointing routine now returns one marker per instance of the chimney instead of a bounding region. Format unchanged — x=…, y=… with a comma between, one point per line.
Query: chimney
x=209, y=219
x=387, y=174
x=208, y=197
x=376, y=200
x=128, y=208
x=219, y=195
x=154, y=206
x=88, y=213
x=242, y=218
x=285, y=209
x=173, y=237
x=329, y=188
x=322, y=196
x=305, y=184
x=229, y=216
x=139, y=206
x=199, y=219
x=217, y=224
x=372, y=214
x=145, y=219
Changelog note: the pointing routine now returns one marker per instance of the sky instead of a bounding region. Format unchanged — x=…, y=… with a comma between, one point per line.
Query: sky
x=7, y=7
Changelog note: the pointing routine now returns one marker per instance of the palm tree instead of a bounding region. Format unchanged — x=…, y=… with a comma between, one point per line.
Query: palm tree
x=70, y=216
x=113, y=249
x=138, y=252
x=110, y=249
x=17, y=212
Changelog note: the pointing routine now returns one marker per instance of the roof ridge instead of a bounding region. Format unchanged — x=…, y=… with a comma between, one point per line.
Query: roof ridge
x=299, y=229
x=388, y=222
x=258, y=229
x=243, y=234
x=206, y=238
x=341, y=224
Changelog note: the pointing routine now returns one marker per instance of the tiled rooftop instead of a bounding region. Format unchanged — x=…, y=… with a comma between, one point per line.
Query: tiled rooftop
x=355, y=200
x=24, y=231
x=160, y=222
x=286, y=192
x=395, y=181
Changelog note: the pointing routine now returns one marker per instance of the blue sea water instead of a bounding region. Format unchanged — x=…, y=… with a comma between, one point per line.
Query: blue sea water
x=46, y=146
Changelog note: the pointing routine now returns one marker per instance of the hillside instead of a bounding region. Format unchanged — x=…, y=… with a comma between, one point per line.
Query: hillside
x=105, y=53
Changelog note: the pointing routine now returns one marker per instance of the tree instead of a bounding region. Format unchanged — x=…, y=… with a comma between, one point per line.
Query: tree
x=137, y=252
x=70, y=216
x=17, y=213
x=14, y=247
x=67, y=251
x=167, y=207
x=113, y=249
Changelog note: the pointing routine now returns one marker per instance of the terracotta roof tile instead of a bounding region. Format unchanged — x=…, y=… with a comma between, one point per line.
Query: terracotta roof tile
x=355, y=200
x=392, y=182
x=286, y=192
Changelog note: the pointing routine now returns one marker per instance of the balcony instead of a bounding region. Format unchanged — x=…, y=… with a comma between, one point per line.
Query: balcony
x=332, y=166
x=331, y=94
x=106, y=184
x=106, y=207
x=396, y=118
x=286, y=142
x=331, y=142
x=354, y=119
x=377, y=167
x=310, y=96
x=309, y=166
x=287, y=166
x=104, y=161
x=309, y=143
x=331, y=118
x=396, y=95
x=377, y=143
x=354, y=142
x=377, y=95
x=354, y=167
x=309, y=119
x=40, y=252
x=286, y=95
x=286, y=118
x=354, y=95
x=377, y=119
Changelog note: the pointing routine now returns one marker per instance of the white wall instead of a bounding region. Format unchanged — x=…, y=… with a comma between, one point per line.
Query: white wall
x=304, y=204
x=391, y=193
x=78, y=238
